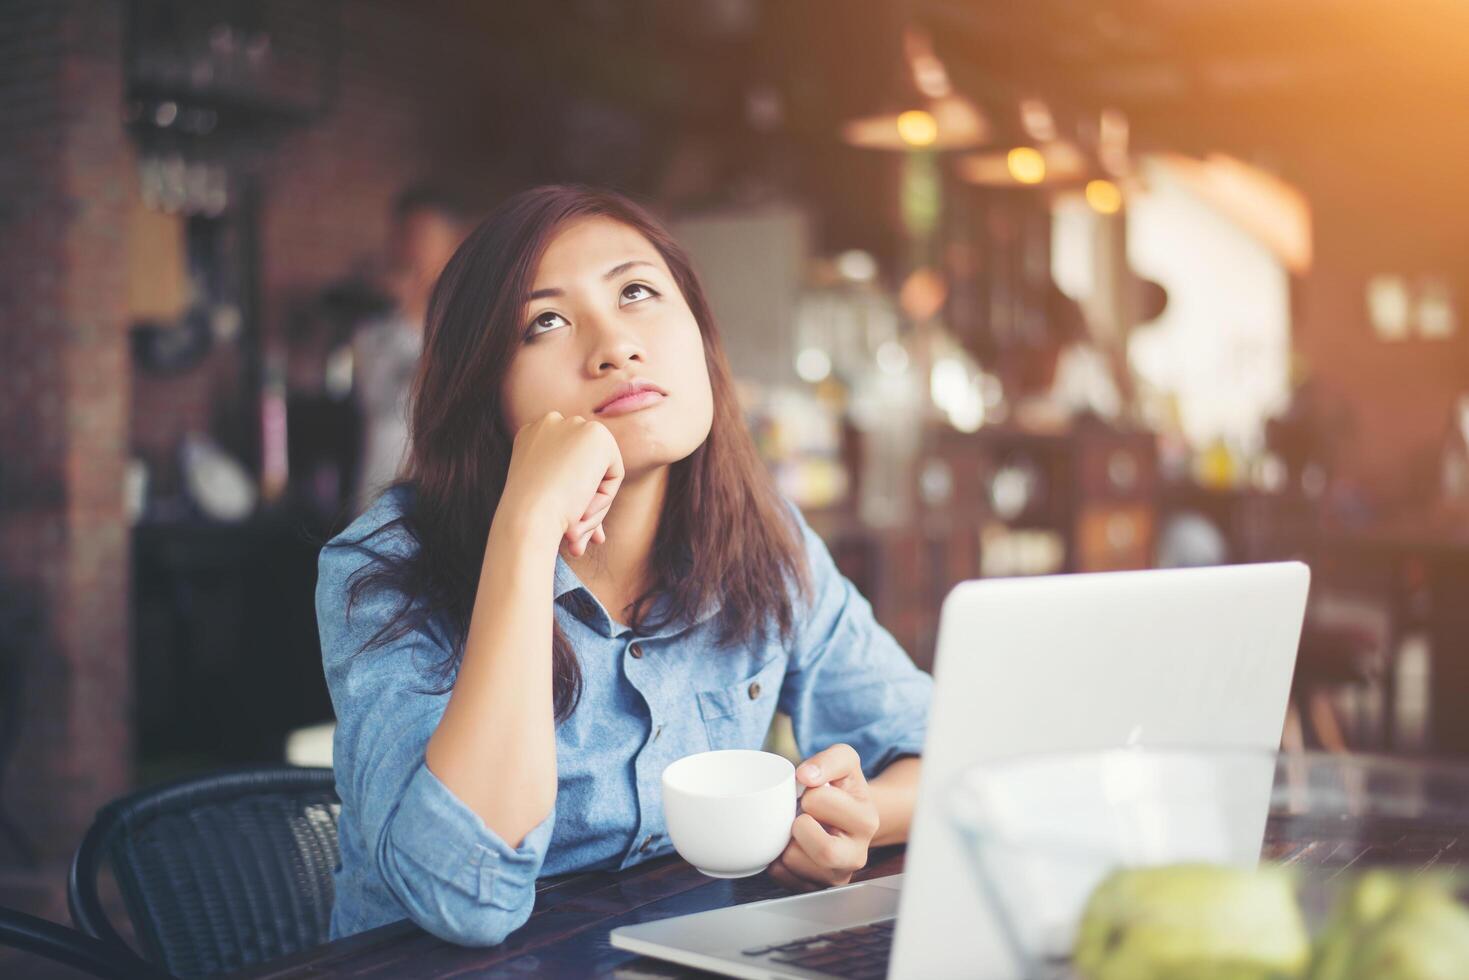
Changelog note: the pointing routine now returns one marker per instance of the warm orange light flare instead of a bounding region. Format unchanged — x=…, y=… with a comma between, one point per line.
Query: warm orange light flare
x=1104, y=196
x=1026, y=164
x=917, y=128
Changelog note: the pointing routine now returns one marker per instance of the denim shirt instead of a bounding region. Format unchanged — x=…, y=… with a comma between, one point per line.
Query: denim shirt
x=411, y=849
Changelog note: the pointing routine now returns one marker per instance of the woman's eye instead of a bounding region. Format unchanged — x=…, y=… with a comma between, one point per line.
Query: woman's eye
x=634, y=292
x=545, y=322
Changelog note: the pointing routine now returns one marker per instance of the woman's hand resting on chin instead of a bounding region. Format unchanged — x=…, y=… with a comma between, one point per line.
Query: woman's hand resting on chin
x=564, y=472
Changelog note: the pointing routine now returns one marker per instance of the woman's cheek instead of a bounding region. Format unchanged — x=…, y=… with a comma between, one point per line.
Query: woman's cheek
x=530, y=396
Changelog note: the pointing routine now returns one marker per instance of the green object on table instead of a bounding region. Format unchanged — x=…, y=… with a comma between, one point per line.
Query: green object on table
x=1358, y=909
x=1193, y=922
x=1388, y=927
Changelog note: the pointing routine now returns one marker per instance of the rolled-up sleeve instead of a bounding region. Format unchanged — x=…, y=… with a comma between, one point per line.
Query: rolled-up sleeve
x=452, y=875
x=847, y=679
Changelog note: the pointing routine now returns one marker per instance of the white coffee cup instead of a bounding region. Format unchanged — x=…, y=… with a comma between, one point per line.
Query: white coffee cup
x=729, y=813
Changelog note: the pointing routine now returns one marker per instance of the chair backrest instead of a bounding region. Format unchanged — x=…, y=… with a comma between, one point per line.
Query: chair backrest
x=52, y=941
x=217, y=872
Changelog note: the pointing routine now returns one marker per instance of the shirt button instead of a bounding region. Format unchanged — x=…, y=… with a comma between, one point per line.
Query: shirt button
x=657, y=733
x=637, y=652
x=647, y=845
x=754, y=690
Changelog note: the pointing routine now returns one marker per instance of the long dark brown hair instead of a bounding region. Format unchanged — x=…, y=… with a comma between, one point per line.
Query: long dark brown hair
x=724, y=534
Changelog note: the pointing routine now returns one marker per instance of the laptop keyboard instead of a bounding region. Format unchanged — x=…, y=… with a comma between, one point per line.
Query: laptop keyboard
x=861, y=953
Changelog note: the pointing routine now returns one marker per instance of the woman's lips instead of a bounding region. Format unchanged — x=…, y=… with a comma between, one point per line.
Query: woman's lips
x=635, y=402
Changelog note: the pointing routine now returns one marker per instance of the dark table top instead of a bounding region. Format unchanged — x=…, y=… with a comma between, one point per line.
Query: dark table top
x=566, y=936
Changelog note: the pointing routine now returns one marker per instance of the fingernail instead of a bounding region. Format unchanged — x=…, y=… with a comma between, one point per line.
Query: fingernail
x=809, y=771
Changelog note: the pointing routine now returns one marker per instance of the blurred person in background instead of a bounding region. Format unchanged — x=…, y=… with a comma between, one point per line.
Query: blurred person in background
x=585, y=574
x=427, y=226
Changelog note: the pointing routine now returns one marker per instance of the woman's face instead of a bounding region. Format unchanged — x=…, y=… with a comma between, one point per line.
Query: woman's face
x=604, y=312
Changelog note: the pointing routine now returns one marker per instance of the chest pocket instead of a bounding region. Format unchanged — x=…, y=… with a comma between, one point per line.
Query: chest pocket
x=737, y=716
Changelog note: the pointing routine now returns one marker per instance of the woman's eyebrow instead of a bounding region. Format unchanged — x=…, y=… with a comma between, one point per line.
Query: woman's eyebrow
x=611, y=273
x=618, y=270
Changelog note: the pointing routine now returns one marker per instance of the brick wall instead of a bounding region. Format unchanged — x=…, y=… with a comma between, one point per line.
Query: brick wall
x=406, y=104
x=63, y=414
x=1388, y=199
x=409, y=104
x=1401, y=394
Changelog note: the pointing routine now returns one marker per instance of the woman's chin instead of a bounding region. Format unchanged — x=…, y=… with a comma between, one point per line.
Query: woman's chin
x=655, y=439
x=641, y=459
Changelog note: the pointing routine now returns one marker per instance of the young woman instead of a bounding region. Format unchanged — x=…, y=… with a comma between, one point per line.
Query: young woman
x=585, y=575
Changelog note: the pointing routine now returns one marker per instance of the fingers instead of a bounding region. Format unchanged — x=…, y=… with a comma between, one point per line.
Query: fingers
x=835, y=808
x=788, y=879
x=615, y=470
x=816, y=857
x=576, y=547
x=826, y=856
x=838, y=764
x=573, y=449
x=797, y=868
x=611, y=480
x=578, y=541
x=588, y=529
x=595, y=514
x=598, y=505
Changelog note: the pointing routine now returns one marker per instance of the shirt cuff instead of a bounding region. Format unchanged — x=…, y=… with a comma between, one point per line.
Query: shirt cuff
x=440, y=833
x=892, y=753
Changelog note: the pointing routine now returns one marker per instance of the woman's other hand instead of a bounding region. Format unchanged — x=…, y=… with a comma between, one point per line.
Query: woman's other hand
x=838, y=819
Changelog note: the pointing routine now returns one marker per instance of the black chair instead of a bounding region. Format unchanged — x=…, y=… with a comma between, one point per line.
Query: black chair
x=218, y=872
x=51, y=941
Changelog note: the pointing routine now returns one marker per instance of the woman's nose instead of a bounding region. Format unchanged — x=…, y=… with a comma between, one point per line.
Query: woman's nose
x=613, y=346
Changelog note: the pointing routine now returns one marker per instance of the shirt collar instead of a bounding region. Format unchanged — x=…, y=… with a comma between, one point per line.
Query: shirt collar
x=578, y=600
x=569, y=591
x=566, y=580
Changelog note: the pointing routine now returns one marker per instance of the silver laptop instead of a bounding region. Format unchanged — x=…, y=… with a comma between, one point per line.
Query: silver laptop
x=1185, y=657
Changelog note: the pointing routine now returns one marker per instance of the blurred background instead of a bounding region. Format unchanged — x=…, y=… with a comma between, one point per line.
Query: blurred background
x=1010, y=289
